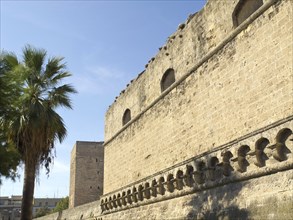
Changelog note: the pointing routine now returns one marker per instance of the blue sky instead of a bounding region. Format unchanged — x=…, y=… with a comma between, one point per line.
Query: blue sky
x=105, y=44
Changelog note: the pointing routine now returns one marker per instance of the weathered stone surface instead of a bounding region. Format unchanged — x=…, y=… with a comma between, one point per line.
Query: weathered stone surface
x=261, y=153
x=244, y=86
x=267, y=197
x=87, y=211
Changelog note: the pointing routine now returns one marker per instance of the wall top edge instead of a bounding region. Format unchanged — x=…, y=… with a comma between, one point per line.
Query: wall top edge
x=205, y=58
x=179, y=29
x=90, y=142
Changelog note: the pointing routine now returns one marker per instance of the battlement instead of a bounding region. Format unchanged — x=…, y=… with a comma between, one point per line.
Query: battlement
x=199, y=35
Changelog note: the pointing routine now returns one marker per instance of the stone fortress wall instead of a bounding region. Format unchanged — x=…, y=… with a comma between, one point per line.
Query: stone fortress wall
x=205, y=131
x=220, y=92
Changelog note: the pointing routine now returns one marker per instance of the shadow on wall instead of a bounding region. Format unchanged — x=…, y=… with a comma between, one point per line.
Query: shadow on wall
x=214, y=179
x=217, y=203
x=59, y=217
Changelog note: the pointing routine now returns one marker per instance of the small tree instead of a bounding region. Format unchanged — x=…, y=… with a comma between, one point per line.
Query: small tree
x=61, y=205
x=42, y=212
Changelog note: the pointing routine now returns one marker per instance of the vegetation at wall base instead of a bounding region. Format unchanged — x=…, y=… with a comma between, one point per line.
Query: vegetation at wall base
x=42, y=212
x=61, y=205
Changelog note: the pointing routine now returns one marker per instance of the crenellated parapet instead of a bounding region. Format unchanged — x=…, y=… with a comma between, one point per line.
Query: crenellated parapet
x=263, y=152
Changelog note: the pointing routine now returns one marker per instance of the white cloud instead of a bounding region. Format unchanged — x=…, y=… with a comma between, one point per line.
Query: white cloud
x=105, y=73
x=96, y=80
x=60, y=167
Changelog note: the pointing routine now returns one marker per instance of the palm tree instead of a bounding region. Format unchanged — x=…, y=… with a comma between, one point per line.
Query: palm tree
x=35, y=125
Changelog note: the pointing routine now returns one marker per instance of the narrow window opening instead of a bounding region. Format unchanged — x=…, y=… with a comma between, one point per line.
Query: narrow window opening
x=126, y=117
x=168, y=79
x=244, y=9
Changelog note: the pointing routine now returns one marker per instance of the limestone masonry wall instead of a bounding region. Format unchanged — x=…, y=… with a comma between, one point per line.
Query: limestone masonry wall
x=268, y=197
x=202, y=32
x=87, y=211
x=264, y=152
x=246, y=85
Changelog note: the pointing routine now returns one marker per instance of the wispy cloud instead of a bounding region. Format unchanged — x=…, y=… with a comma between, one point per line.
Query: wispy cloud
x=96, y=80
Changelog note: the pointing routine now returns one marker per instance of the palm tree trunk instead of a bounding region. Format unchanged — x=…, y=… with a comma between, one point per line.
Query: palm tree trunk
x=28, y=191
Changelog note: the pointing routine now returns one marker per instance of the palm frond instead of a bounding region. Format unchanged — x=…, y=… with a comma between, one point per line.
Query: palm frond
x=34, y=58
x=7, y=62
x=59, y=77
x=54, y=66
x=60, y=96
